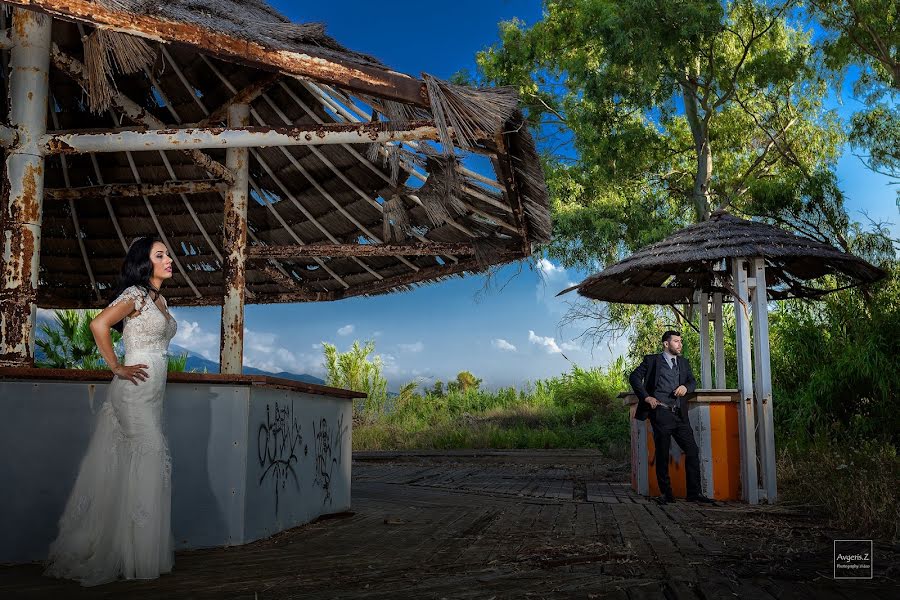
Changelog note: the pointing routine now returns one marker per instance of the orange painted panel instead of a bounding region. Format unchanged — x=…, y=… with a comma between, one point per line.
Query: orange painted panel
x=726, y=451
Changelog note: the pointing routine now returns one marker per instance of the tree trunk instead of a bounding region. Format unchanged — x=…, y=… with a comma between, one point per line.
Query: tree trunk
x=700, y=132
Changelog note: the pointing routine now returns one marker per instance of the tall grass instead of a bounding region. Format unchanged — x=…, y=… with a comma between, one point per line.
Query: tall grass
x=579, y=409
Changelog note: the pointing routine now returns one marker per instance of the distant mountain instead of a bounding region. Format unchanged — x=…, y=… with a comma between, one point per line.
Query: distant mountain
x=196, y=362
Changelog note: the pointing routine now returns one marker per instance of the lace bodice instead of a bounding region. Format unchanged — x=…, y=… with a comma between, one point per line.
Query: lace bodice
x=150, y=330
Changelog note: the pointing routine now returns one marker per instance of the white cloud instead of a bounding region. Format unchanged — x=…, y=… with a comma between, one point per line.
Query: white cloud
x=549, y=269
x=415, y=347
x=503, y=345
x=192, y=336
x=263, y=350
x=547, y=342
x=346, y=330
x=569, y=346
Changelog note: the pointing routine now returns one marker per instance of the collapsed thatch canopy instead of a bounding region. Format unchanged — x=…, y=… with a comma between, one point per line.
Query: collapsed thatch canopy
x=672, y=270
x=201, y=56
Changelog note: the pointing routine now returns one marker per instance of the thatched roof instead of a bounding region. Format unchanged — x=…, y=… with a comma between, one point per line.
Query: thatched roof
x=206, y=54
x=670, y=271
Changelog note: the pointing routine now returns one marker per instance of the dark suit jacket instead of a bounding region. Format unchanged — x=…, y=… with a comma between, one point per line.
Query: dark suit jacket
x=643, y=382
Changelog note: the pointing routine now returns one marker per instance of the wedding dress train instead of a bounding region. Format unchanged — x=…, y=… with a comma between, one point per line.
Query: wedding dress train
x=117, y=520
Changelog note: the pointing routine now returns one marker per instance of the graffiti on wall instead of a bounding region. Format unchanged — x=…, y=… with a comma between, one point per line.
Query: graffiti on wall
x=278, y=442
x=329, y=453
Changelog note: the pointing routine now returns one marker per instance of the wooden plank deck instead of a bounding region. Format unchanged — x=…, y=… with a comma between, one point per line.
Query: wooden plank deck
x=508, y=524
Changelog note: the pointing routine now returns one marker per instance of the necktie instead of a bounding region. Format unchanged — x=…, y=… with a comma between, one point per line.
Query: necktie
x=673, y=364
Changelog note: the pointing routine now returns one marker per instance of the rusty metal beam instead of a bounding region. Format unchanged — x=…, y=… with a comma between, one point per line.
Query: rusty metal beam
x=244, y=96
x=136, y=113
x=366, y=79
x=129, y=140
x=343, y=250
x=234, y=245
x=23, y=188
x=130, y=190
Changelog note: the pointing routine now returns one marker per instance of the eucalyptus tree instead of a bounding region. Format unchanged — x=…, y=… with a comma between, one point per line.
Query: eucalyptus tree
x=653, y=114
x=866, y=33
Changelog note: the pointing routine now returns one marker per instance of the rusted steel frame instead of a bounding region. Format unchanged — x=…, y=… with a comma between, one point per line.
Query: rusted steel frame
x=6, y=39
x=299, y=206
x=156, y=223
x=74, y=213
x=505, y=168
x=389, y=283
x=23, y=189
x=218, y=137
x=316, y=92
x=359, y=77
x=282, y=276
x=327, y=94
x=293, y=233
x=190, y=209
x=244, y=96
x=189, y=88
x=342, y=250
x=365, y=161
x=133, y=111
x=234, y=245
x=292, y=159
x=130, y=190
x=324, y=97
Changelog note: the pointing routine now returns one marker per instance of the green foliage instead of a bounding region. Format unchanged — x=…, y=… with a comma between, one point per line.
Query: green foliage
x=177, y=363
x=672, y=109
x=866, y=33
x=68, y=343
x=576, y=410
x=834, y=363
x=355, y=370
x=465, y=382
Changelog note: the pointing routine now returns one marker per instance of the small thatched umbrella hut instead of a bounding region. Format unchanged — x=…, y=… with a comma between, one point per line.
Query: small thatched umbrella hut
x=752, y=263
x=277, y=165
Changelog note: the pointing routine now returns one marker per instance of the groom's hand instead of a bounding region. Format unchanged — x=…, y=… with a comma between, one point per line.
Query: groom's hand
x=680, y=391
x=653, y=402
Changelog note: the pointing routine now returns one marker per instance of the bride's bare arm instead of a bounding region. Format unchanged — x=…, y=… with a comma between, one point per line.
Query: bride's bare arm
x=100, y=326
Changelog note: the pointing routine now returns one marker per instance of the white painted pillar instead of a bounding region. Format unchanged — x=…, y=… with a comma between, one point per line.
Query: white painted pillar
x=719, y=340
x=705, y=362
x=23, y=190
x=763, y=380
x=746, y=416
x=234, y=248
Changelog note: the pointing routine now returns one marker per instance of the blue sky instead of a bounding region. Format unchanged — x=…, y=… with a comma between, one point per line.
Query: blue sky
x=505, y=336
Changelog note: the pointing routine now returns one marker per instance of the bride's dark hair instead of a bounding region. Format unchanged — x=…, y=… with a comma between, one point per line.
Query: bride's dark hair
x=137, y=269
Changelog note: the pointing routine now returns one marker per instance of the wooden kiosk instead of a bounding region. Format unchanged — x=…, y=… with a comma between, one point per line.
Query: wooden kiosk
x=747, y=263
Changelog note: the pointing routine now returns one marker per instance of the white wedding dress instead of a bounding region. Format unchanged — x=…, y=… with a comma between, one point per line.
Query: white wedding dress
x=117, y=521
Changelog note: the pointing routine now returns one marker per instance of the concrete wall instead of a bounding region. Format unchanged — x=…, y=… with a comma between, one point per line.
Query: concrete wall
x=247, y=461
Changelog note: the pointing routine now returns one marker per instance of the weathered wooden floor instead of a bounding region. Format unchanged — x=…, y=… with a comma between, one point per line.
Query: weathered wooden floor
x=516, y=524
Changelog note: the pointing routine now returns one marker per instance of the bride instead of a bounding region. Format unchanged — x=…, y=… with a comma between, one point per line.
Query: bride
x=116, y=523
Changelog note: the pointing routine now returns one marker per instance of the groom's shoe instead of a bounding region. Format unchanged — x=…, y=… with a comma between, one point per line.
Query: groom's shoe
x=666, y=499
x=700, y=499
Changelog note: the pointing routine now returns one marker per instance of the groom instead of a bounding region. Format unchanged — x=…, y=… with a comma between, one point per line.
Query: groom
x=661, y=383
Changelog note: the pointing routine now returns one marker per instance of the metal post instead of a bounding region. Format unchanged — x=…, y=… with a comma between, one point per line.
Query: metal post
x=719, y=340
x=705, y=363
x=234, y=246
x=23, y=190
x=763, y=369
x=746, y=419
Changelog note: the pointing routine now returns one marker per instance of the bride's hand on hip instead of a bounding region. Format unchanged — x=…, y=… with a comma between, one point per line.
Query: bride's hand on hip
x=132, y=373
